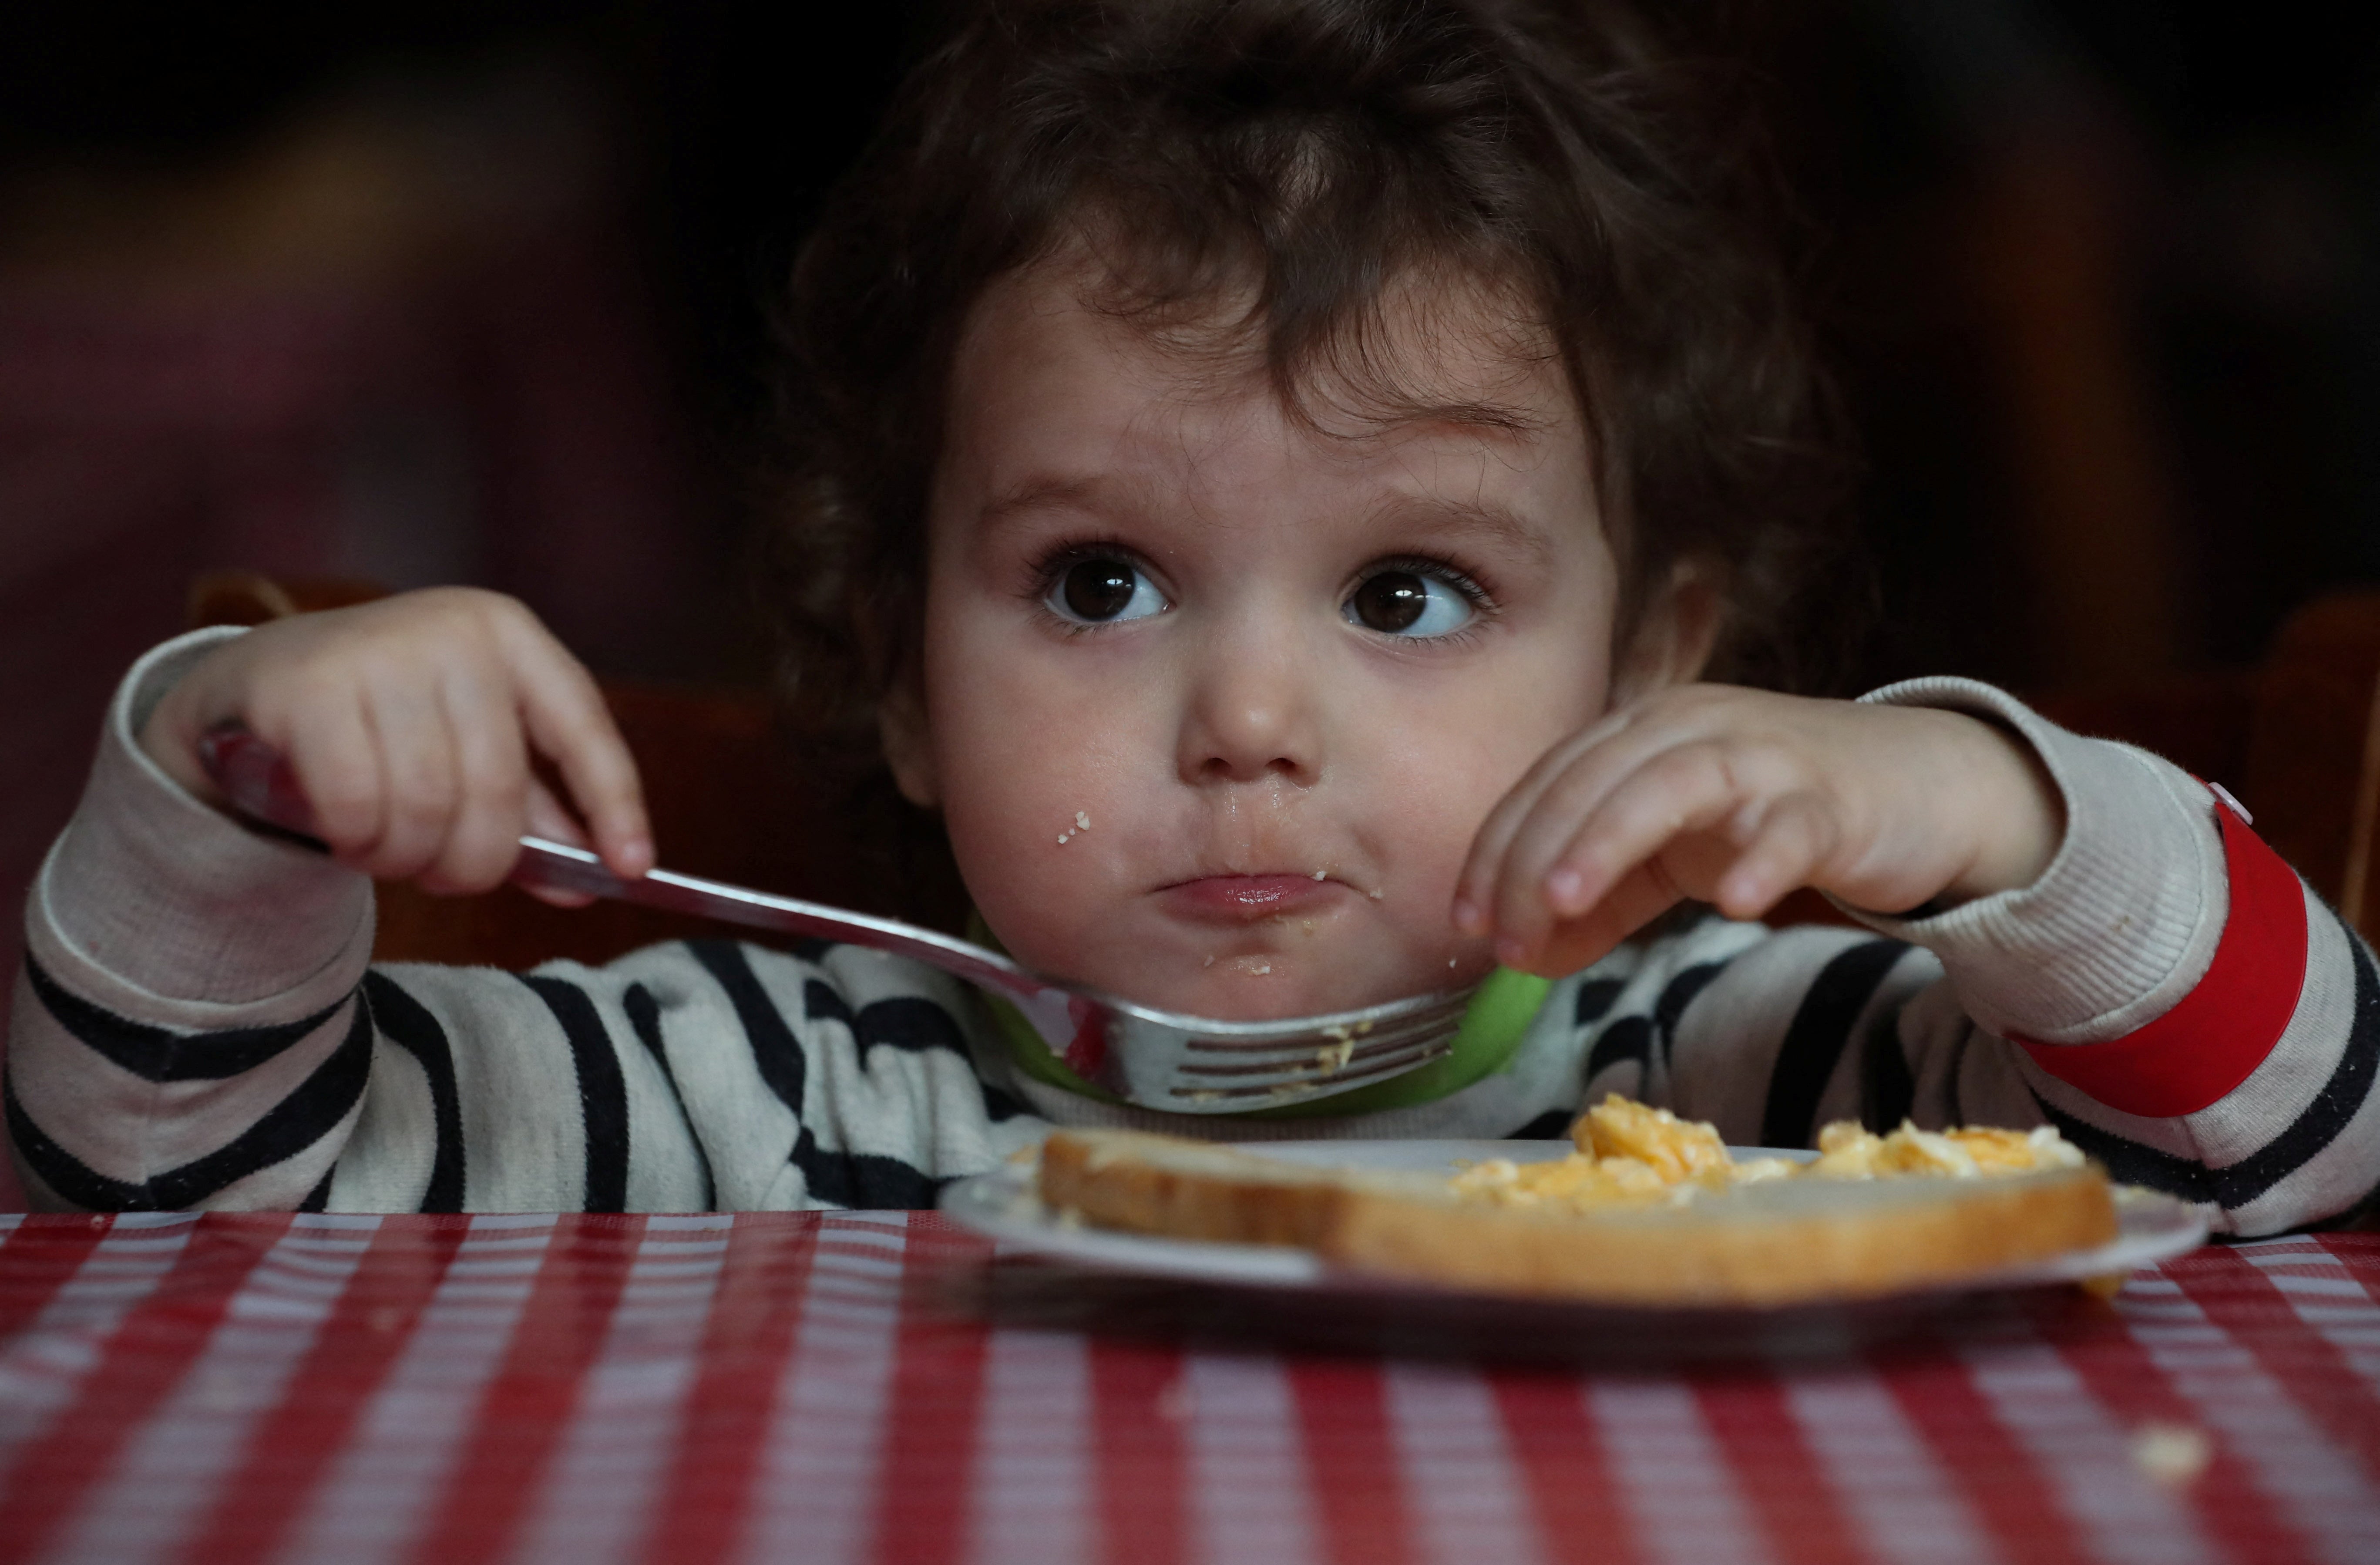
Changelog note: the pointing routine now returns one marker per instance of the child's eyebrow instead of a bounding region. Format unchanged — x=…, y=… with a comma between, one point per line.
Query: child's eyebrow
x=1039, y=494
x=1494, y=523
x=1498, y=524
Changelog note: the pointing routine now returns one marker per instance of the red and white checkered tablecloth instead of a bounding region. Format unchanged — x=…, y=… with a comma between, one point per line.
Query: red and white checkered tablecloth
x=786, y=1388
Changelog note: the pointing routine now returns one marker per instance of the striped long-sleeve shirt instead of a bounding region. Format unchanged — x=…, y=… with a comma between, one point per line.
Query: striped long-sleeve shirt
x=198, y=1024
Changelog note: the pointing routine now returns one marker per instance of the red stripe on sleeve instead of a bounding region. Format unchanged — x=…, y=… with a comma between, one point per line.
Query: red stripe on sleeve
x=2222, y=1029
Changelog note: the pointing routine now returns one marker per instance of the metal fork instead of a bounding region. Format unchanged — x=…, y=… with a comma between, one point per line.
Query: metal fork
x=1156, y=1059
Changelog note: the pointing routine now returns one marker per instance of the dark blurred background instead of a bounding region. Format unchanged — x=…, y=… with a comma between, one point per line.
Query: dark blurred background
x=479, y=292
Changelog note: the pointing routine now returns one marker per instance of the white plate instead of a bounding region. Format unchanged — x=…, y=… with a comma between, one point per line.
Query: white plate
x=1002, y=1207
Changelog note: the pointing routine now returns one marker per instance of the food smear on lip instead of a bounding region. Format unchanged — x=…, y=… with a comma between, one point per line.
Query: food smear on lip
x=1245, y=899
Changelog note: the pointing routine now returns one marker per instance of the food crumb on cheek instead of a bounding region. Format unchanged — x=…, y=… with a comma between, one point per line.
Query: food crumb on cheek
x=1083, y=823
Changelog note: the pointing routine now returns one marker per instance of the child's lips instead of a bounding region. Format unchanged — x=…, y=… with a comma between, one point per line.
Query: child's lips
x=1244, y=899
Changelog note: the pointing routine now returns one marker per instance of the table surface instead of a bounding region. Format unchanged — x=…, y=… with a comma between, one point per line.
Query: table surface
x=865, y=1387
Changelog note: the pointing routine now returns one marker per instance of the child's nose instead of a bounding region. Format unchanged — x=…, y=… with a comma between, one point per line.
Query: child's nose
x=1251, y=713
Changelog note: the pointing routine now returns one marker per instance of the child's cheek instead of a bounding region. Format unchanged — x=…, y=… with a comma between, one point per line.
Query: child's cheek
x=1038, y=817
x=1040, y=857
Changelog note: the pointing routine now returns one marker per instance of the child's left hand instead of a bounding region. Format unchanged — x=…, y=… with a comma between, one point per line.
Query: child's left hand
x=1738, y=796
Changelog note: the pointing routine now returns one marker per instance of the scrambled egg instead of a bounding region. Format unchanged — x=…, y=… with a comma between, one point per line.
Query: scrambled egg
x=1677, y=1149
x=1577, y=1182
x=1845, y=1151
x=1630, y=1155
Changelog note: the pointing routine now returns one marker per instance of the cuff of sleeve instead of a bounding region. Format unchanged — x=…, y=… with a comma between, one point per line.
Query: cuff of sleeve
x=152, y=903
x=2126, y=918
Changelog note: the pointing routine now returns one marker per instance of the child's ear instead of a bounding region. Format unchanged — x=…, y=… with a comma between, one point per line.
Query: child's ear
x=1675, y=637
x=901, y=727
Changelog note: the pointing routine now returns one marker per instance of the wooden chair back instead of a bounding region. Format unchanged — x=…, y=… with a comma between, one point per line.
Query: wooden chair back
x=2298, y=740
x=2314, y=757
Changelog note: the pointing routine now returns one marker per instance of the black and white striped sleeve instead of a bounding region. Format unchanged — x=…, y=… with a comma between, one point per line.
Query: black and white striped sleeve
x=694, y=1076
x=185, y=1028
x=108, y=1113
x=708, y=1075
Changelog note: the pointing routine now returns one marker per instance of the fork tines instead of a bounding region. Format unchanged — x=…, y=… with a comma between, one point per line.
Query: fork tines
x=1282, y=1067
x=1283, y=1085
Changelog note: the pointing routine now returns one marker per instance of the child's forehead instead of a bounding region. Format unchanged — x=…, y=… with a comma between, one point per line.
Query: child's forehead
x=1430, y=355
x=1066, y=406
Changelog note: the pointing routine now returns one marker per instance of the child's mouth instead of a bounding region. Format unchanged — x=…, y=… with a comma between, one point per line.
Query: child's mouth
x=1244, y=899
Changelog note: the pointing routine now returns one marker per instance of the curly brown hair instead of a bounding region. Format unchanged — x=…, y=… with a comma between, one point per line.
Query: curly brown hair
x=1306, y=154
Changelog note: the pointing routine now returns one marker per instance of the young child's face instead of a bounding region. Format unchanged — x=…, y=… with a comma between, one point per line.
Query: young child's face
x=1213, y=702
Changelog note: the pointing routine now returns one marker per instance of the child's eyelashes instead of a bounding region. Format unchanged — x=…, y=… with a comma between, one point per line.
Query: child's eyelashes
x=1415, y=600
x=1087, y=587
x=1409, y=599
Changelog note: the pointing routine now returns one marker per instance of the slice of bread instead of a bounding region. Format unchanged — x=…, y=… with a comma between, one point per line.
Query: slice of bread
x=1778, y=1242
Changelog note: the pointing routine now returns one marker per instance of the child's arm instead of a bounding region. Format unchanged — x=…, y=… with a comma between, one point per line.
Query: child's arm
x=153, y=922
x=188, y=1027
x=2182, y=1006
x=196, y=1023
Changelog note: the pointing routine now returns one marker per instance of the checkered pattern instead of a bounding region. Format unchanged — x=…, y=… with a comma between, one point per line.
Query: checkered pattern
x=782, y=1388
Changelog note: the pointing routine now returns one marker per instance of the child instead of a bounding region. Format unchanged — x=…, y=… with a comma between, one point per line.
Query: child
x=1272, y=474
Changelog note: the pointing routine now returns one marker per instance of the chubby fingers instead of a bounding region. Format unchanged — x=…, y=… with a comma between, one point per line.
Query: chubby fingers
x=410, y=725
x=491, y=784
x=402, y=786
x=1573, y=766
x=1570, y=944
x=1604, y=848
x=1784, y=843
x=1539, y=816
x=1740, y=841
x=421, y=795
x=334, y=755
x=569, y=722
x=1587, y=834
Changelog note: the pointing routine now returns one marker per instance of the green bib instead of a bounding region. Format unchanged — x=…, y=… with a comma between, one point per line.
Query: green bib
x=1493, y=1026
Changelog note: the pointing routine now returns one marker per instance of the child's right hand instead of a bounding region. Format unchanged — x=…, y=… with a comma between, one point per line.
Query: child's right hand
x=409, y=723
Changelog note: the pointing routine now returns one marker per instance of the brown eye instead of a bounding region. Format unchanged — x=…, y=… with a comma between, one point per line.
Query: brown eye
x=1390, y=601
x=1099, y=591
x=1410, y=605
